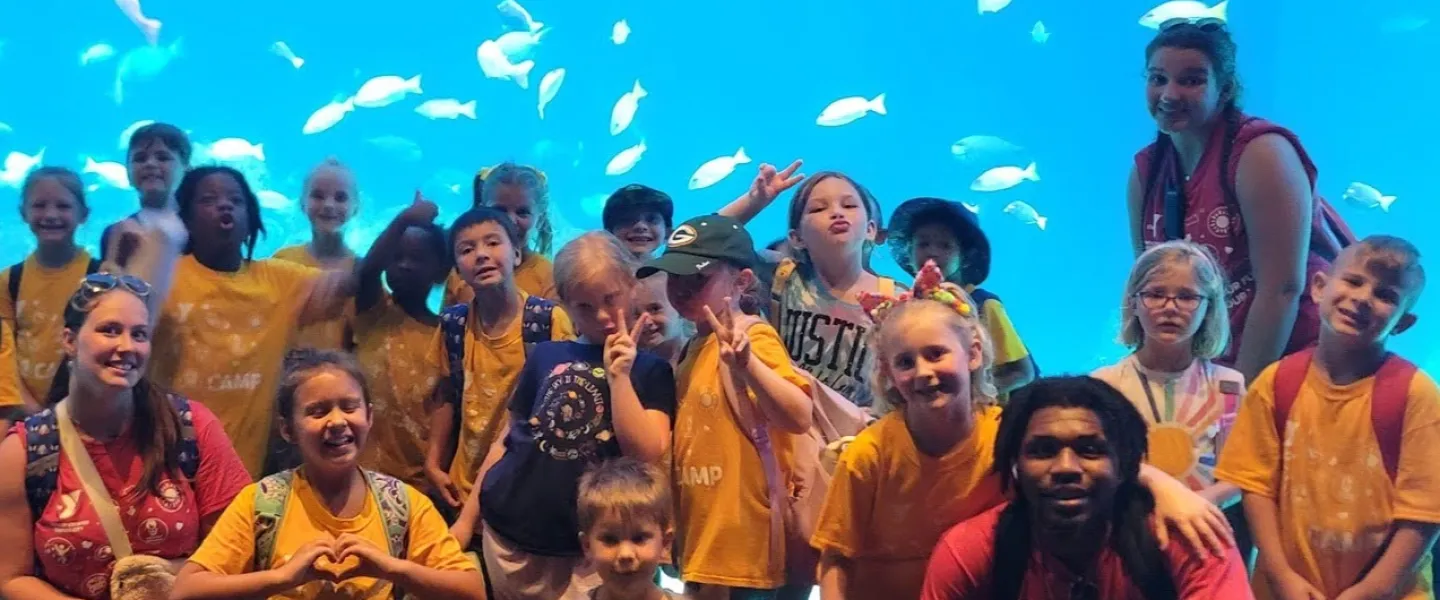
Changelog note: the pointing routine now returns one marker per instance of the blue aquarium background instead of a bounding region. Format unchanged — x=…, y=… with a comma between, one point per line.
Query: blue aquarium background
x=1350, y=78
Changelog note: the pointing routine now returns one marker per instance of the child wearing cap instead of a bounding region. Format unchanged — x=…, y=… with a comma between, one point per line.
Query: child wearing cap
x=723, y=496
x=946, y=232
x=640, y=216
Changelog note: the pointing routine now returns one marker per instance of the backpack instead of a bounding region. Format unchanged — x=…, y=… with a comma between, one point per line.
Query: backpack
x=1387, y=401
x=17, y=271
x=536, y=320
x=390, y=497
x=796, y=503
x=42, y=453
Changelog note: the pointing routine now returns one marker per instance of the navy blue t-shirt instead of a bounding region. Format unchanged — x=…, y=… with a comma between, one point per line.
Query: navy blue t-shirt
x=560, y=425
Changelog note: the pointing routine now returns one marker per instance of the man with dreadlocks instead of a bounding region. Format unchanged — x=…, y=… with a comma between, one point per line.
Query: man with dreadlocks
x=1079, y=526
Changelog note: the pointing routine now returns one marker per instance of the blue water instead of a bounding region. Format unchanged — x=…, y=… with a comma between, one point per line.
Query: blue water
x=1347, y=76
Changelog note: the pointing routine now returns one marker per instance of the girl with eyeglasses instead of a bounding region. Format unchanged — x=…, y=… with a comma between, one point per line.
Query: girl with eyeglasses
x=1174, y=318
x=1241, y=186
x=108, y=491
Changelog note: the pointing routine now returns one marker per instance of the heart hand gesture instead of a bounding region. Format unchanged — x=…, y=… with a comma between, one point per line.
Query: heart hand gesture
x=734, y=341
x=305, y=564
x=374, y=561
x=769, y=184
x=620, y=347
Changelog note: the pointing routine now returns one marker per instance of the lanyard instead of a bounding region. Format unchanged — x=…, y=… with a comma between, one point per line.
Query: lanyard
x=1175, y=202
x=1145, y=385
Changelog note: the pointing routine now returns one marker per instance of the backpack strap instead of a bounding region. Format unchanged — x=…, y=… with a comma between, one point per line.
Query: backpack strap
x=189, y=458
x=16, y=271
x=394, y=504
x=270, y=496
x=1388, y=400
x=753, y=425
x=1289, y=376
x=42, y=460
x=536, y=322
x=92, y=267
x=783, y=271
x=452, y=327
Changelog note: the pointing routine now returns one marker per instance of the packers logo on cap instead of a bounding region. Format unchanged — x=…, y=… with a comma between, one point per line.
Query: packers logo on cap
x=683, y=236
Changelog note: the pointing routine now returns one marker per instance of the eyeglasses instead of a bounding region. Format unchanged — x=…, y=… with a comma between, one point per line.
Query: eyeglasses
x=95, y=284
x=1157, y=300
x=1205, y=24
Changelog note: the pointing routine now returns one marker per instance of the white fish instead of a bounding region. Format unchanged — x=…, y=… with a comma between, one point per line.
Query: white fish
x=386, y=90
x=400, y=147
x=716, y=169
x=624, y=111
x=328, y=116
x=512, y=9
x=620, y=32
x=847, y=110
x=625, y=160
x=1004, y=178
x=446, y=108
x=1182, y=9
x=991, y=6
x=114, y=174
x=496, y=66
x=549, y=86
x=129, y=131
x=6, y=128
x=1367, y=196
x=973, y=147
x=274, y=200
x=1039, y=34
x=519, y=45
x=283, y=50
x=1026, y=214
x=97, y=53
x=236, y=149
x=148, y=26
x=143, y=64
x=18, y=165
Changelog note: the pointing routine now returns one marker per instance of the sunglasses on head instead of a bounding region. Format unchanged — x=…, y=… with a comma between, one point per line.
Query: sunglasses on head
x=1205, y=24
x=95, y=284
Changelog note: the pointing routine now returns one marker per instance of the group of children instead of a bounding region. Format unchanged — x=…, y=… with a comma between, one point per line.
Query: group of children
x=651, y=397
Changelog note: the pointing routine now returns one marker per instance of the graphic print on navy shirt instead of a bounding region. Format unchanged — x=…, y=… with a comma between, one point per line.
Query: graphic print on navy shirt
x=560, y=424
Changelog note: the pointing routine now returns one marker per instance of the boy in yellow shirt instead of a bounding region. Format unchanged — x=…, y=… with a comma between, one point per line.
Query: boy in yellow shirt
x=1334, y=446
x=480, y=348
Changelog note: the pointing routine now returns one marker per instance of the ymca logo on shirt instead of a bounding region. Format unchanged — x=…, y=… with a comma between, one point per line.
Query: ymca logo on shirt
x=571, y=423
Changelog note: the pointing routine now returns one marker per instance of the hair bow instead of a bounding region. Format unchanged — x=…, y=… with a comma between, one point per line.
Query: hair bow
x=928, y=286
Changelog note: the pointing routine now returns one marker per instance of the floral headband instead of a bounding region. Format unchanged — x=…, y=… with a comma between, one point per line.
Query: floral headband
x=928, y=286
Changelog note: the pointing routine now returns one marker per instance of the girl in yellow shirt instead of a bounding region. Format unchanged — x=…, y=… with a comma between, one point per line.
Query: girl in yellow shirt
x=328, y=529
x=228, y=319
x=53, y=205
x=330, y=200
x=523, y=194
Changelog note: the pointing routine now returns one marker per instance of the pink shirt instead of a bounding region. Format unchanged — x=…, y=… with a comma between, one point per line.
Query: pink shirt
x=1213, y=220
x=70, y=545
x=960, y=570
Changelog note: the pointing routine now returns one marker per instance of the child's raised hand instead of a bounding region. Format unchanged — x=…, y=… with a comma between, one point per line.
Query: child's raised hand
x=769, y=184
x=620, y=347
x=734, y=340
x=420, y=211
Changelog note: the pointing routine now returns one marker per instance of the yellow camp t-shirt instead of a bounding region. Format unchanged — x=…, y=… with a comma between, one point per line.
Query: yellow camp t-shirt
x=394, y=350
x=723, y=499
x=492, y=365
x=329, y=334
x=1336, y=501
x=9, y=371
x=222, y=340
x=889, y=503
x=37, y=318
x=535, y=275
x=229, y=549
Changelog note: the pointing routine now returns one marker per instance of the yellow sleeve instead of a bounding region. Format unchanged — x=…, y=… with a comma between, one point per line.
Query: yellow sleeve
x=9, y=369
x=293, y=283
x=562, y=329
x=1251, y=456
x=7, y=307
x=845, y=518
x=453, y=285
x=431, y=544
x=1417, y=489
x=765, y=345
x=1008, y=347
x=229, y=549
x=295, y=254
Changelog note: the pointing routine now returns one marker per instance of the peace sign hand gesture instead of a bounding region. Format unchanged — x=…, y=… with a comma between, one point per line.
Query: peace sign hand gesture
x=769, y=184
x=620, y=347
x=734, y=341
